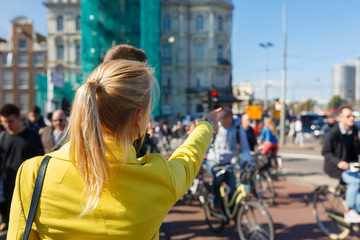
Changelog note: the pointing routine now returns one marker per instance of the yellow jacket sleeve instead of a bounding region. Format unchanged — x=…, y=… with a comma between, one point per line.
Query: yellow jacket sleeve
x=186, y=161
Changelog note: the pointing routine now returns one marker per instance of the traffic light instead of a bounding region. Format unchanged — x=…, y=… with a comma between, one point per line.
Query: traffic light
x=214, y=96
x=213, y=99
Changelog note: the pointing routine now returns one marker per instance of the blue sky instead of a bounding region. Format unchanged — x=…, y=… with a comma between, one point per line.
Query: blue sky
x=320, y=34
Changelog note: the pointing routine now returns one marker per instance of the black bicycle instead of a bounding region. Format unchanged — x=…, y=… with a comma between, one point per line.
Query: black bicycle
x=257, y=179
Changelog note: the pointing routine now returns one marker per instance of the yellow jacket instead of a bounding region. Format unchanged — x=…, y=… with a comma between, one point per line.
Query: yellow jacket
x=133, y=206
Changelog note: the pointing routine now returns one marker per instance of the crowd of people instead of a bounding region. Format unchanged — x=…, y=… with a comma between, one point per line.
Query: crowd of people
x=105, y=178
x=20, y=139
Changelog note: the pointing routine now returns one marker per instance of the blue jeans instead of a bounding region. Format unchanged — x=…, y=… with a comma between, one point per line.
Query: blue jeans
x=246, y=159
x=228, y=177
x=352, y=192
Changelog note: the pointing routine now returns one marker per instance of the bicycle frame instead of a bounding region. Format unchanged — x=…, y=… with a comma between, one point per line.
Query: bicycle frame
x=236, y=198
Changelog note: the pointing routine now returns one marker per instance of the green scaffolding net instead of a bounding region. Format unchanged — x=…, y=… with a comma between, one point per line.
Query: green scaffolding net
x=104, y=24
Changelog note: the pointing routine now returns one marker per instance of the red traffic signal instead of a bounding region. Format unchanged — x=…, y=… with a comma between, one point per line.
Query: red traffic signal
x=214, y=93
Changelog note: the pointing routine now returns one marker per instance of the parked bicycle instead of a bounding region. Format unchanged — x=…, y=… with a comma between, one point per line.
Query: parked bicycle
x=329, y=206
x=252, y=220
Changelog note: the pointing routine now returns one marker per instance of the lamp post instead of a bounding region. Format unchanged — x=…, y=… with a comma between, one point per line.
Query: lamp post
x=266, y=46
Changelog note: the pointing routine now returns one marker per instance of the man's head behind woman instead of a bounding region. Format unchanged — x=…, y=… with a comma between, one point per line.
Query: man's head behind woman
x=114, y=104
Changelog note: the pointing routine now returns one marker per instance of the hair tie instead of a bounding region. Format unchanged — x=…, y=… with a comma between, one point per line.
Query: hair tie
x=94, y=86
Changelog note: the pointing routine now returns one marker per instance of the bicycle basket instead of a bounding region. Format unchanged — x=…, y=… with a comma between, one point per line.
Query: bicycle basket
x=260, y=160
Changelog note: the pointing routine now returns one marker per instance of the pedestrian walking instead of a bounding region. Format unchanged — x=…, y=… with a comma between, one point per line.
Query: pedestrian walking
x=292, y=132
x=95, y=187
x=17, y=143
x=299, y=135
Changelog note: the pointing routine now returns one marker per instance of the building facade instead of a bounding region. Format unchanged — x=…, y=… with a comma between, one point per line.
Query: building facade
x=195, y=50
x=23, y=58
x=64, y=47
x=344, y=81
x=244, y=94
x=196, y=54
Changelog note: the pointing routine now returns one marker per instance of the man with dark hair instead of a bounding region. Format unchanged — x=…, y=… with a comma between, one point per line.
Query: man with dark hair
x=34, y=120
x=341, y=148
x=17, y=144
x=127, y=52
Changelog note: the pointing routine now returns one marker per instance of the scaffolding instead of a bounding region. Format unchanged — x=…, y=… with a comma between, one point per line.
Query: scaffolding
x=104, y=24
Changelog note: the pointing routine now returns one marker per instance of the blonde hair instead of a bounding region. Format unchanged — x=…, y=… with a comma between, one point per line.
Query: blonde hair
x=105, y=107
x=270, y=123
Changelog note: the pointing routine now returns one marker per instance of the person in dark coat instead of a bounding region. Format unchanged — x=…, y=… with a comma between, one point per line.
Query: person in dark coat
x=35, y=121
x=341, y=148
x=17, y=144
x=250, y=134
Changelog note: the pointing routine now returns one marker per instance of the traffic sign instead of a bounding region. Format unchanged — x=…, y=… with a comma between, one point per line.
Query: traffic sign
x=254, y=112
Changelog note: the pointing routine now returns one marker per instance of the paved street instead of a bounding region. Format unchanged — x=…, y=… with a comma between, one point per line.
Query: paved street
x=292, y=212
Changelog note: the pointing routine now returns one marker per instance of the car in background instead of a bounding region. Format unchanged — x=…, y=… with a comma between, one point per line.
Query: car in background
x=309, y=119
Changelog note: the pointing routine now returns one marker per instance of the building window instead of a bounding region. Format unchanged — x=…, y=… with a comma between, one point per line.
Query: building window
x=220, y=52
x=36, y=73
x=199, y=52
x=22, y=60
x=60, y=52
x=166, y=22
x=60, y=23
x=78, y=23
x=22, y=43
x=7, y=59
x=199, y=22
x=166, y=54
x=38, y=59
x=8, y=97
x=166, y=83
x=219, y=80
x=220, y=24
x=23, y=102
x=23, y=79
x=7, y=79
x=78, y=54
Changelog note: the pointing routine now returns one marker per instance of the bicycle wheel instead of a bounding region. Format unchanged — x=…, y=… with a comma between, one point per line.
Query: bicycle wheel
x=264, y=187
x=254, y=222
x=216, y=224
x=325, y=205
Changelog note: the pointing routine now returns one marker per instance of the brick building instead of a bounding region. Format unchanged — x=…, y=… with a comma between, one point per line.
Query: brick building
x=23, y=58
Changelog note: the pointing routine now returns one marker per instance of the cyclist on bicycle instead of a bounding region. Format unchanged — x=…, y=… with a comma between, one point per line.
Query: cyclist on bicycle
x=341, y=147
x=268, y=136
x=223, y=148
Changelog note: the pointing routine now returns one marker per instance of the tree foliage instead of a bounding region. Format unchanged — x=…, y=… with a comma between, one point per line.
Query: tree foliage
x=335, y=102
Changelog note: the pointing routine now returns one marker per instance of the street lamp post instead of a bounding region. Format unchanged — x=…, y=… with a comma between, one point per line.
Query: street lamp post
x=266, y=46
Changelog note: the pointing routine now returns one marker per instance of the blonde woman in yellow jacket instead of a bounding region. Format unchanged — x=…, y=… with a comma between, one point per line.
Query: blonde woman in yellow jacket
x=95, y=187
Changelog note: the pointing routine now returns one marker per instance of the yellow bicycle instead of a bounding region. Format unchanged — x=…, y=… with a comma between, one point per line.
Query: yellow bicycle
x=253, y=221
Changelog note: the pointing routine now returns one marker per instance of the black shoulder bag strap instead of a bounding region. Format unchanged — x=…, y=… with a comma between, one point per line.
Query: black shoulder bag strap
x=35, y=196
x=238, y=134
